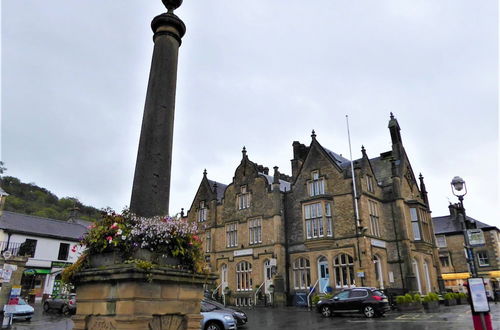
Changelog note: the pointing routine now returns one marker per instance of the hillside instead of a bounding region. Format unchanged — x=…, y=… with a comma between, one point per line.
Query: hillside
x=28, y=198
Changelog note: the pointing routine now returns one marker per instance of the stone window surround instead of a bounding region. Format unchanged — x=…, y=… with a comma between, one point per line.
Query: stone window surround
x=243, y=199
x=255, y=231
x=374, y=215
x=316, y=185
x=343, y=271
x=483, y=259
x=324, y=220
x=232, y=234
x=441, y=241
x=369, y=183
x=202, y=212
x=244, y=276
x=301, y=269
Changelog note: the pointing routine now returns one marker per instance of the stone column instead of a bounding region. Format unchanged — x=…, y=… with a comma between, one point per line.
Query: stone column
x=151, y=188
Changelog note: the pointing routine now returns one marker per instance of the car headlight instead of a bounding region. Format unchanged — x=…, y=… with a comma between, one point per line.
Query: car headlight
x=228, y=318
x=239, y=314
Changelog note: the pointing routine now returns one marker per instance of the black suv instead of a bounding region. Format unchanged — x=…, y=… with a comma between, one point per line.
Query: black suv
x=369, y=301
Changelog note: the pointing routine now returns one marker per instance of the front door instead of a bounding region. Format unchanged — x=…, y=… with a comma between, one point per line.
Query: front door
x=324, y=275
x=268, y=274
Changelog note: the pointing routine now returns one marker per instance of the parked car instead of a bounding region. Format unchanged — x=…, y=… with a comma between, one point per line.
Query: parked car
x=216, y=319
x=21, y=311
x=369, y=301
x=240, y=316
x=64, y=303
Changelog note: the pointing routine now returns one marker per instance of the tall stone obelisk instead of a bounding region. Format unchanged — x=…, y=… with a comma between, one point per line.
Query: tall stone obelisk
x=151, y=188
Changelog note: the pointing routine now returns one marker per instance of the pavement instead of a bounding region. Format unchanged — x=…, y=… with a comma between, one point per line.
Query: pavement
x=260, y=318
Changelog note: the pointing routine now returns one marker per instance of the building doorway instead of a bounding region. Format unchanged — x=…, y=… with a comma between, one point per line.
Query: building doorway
x=323, y=274
x=378, y=271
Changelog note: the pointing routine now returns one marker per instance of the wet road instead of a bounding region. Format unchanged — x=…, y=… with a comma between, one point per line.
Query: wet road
x=450, y=318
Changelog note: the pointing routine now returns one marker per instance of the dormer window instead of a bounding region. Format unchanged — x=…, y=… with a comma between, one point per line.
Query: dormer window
x=316, y=185
x=243, y=198
x=202, y=212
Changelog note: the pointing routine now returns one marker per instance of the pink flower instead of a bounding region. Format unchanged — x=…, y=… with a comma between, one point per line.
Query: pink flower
x=114, y=226
x=73, y=248
x=109, y=239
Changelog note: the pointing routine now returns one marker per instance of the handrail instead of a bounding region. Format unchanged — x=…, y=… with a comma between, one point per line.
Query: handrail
x=216, y=289
x=311, y=290
x=257, y=291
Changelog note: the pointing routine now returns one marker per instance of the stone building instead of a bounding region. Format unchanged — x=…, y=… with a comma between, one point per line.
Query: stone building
x=454, y=267
x=306, y=230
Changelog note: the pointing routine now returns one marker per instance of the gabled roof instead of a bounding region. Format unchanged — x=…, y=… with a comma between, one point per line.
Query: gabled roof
x=284, y=185
x=44, y=227
x=338, y=159
x=448, y=224
x=220, y=188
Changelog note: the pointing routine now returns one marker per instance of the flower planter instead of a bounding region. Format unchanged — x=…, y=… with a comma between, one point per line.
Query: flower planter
x=431, y=306
x=462, y=301
x=145, y=254
x=105, y=259
x=450, y=302
x=410, y=307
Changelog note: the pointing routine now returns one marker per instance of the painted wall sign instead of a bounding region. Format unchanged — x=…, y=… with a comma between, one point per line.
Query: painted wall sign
x=476, y=237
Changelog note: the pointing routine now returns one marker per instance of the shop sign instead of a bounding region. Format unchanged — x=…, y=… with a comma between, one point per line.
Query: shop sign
x=378, y=243
x=476, y=237
x=246, y=252
x=361, y=274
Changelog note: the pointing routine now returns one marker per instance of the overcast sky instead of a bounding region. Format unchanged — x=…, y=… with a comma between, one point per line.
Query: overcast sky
x=254, y=73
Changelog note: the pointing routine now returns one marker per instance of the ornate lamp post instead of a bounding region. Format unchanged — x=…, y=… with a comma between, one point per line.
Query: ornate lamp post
x=482, y=319
x=459, y=189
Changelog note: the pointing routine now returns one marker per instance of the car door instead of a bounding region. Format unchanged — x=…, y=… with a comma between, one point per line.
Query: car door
x=339, y=301
x=356, y=298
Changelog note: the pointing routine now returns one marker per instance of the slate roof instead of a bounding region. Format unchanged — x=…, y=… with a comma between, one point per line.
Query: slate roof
x=220, y=189
x=341, y=161
x=447, y=224
x=38, y=226
x=284, y=185
x=382, y=169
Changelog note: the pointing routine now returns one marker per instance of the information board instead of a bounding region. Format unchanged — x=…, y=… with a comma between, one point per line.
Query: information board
x=478, y=295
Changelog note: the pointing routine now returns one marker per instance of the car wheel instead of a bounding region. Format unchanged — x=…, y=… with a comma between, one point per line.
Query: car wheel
x=326, y=311
x=28, y=319
x=65, y=310
x=213, y=326
x=46, y=307
x=369, y=311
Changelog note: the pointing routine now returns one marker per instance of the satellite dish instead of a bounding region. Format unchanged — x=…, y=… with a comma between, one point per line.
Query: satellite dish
x=7, y=254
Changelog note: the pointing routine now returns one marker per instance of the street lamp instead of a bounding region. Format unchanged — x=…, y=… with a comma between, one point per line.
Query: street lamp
x=459, y=189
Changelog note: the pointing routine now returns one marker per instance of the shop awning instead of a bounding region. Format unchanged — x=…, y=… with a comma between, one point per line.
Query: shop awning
x=33, y=271
x=455, y=276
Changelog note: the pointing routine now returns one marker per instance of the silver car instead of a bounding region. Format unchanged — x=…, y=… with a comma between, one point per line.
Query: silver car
x=216, y=319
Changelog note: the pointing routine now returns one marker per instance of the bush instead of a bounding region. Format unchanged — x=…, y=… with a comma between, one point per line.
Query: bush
x=449, y=296
x=317, y=298
x=433, y=296
x=462, y=295
x=417, y=297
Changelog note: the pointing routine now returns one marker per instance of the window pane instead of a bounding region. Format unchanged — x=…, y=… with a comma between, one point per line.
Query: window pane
x=416, y=231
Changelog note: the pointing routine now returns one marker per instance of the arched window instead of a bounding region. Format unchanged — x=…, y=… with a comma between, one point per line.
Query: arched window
x=244, y=276
x=427, y=277
x=301, y=273
x=417, y=274
x=343, y=266
x=377, y=262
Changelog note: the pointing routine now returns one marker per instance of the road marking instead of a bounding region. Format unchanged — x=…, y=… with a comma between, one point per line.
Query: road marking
x=413, y=317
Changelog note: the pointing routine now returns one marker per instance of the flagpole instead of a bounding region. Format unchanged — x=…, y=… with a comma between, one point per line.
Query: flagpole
x=353, y=176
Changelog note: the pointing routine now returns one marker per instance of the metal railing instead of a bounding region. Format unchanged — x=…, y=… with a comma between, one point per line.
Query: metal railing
x=256, y=292
x=12, y=247
x=311, y=290
x=215, y=290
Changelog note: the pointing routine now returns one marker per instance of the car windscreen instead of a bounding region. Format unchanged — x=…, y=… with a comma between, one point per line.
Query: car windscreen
x=378, y=293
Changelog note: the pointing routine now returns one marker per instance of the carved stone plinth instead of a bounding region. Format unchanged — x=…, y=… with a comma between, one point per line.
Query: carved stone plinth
x=125, y=297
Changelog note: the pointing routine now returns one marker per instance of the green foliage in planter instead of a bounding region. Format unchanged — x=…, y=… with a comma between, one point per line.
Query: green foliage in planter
x=69, y=272
x=317, y=298
x=462, y=295
x=406, y=299
x=433, y=296
x=417, y=297
x=449, y=296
